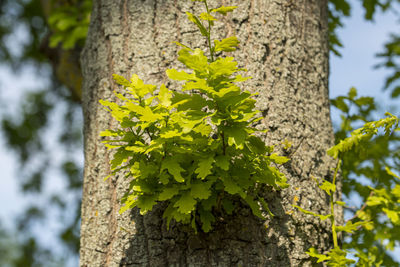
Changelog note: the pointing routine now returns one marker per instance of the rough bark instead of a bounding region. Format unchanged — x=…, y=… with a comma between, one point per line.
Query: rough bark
x=284, y=46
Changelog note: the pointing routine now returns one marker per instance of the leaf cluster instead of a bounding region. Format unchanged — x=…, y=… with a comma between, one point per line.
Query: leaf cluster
x=69, y=24
x=368, y=233
x=194, y=148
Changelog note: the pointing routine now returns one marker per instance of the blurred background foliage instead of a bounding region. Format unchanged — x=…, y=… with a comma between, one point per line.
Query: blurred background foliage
x=53, y=33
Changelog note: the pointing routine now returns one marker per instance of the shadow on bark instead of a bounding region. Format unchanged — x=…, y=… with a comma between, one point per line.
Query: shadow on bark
x=240, y=239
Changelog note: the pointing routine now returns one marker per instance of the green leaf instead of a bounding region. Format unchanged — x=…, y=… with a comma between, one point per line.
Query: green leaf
x=224, y=9
x=173, y=74
x=392, y=215
x=146, y=202
x=228, y=205
x=164, y=96
x=340, y=203
x=149, y=116
x=173, y=168
x=200, y=190
x=198, y=85
x=265, y=206
x=236, y=135
x=121, y=80
x=352, y=93
x=206, y=219
x=231, y=186
x=182, y=45
x=388, y=171
x=370, y=6
x=110, y=133
x=222, y=67
x=256, y=145
x=322, y=217
x=198, y=23
x=228, y=45
x=206, y=16
x=168, y=193
x=171, y=134
x=351, y=227
x=223, y=162
x=328, y=187
x=120, y=157
x=278, y=159
x=204, y=167
x=376, y=200
x=186, y=203
x=314, y=253
x=255, y=208
x=194, y=60
x=240, y=78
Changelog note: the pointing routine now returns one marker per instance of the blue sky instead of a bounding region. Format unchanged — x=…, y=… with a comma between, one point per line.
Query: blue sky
x=361, y=39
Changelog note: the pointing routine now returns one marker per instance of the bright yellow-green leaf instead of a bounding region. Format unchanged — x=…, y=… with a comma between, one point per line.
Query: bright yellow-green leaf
x=351, y=227
x=117, y=112
x=195, y=60
x=182, y=45
x=206, y=16
x=314, y=253
x=136, y=81
x=224, y=9
x=222, y=67
x=111, y=133
x=340, y=203
x=198, y=23
x=240, y=78
x=171, y=134
x=228, y=45
x=391, y=173
x=149, y=116
x=198, y=85
x=121, y=80
x=278, y=159
x=392, y=215
x=165, y=96
x=322, y=217
x=129, y=203
x=376, y=200
x=328, y=187
x=173, y=74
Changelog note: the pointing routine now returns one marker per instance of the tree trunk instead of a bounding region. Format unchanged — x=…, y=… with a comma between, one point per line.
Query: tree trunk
x=284, y=46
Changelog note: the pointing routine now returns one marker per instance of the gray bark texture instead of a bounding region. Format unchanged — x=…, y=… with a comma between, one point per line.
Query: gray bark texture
x=284, y=47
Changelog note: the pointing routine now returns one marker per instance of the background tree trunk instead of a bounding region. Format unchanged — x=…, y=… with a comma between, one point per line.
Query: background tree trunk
x=284, y=46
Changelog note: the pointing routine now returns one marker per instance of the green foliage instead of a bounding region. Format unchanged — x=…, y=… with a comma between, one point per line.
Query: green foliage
x=383, y=198
x=337, y=10
x=391, y=56
x=364, y=134
x=370, y=166
x=70, y=23
x=195, y=148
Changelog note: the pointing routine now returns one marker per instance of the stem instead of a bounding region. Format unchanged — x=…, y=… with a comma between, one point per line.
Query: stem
x=334, y=234
x=209, y=34
x=223, y=142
